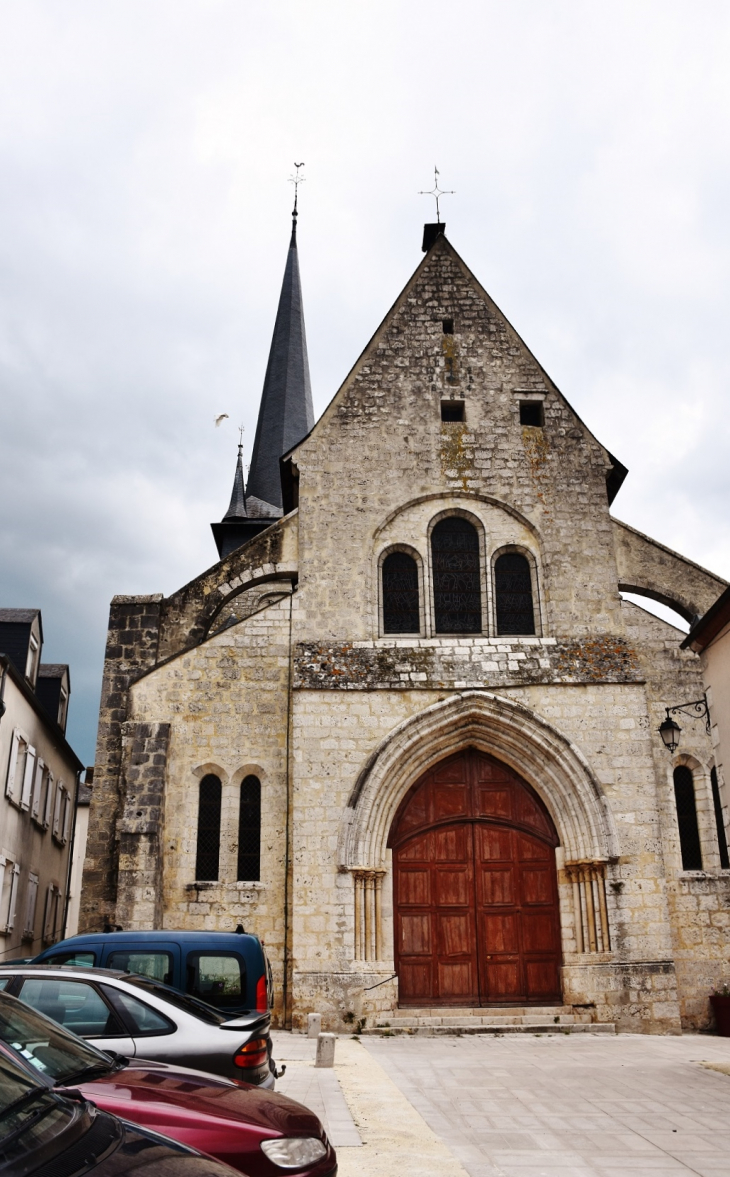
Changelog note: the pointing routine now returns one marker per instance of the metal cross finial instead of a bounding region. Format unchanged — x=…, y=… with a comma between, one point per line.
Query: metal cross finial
x=240, y=439
x=296, y=180
x=436, y=192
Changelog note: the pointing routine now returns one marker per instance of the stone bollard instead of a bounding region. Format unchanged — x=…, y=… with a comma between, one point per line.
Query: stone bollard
x=314, y=1025
x=325, y=1050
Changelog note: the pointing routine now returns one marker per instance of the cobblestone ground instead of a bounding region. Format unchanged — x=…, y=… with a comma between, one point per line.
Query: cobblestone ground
x=578, y=1106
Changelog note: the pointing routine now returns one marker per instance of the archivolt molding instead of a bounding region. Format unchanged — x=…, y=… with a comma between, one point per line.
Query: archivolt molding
x=547, y=759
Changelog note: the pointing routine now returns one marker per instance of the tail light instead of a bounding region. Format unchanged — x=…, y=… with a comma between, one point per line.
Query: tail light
x=262, y=998
x=254, y=1054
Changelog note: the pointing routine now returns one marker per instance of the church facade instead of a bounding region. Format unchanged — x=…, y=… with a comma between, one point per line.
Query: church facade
x=405, y=729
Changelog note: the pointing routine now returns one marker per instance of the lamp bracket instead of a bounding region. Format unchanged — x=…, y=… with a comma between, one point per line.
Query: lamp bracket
x=696, y=709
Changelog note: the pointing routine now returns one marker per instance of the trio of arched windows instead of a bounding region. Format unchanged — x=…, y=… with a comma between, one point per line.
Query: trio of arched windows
x=207, y=859
x=457, y=586
x=689, y=830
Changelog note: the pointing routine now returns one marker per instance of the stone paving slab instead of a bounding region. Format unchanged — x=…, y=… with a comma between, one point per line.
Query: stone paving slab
x=392, y=1138
x=316, y=1087
x=565, y=1106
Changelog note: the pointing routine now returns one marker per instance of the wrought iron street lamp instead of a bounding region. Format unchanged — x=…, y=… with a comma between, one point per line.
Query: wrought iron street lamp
x=670, y=731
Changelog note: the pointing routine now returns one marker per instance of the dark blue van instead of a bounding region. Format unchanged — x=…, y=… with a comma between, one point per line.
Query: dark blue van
x=229, y=970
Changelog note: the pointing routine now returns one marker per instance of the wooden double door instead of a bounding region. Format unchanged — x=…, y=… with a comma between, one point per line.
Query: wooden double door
x=475, y=888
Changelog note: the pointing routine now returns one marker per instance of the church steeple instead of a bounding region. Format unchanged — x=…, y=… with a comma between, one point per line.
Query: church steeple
x=286, y=414
x=237, y=506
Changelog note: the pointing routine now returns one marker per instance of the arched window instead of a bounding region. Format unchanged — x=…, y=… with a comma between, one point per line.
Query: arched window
x=721, y=835
x=689, y=834
x=249, y=830
x=400, y=594
x=209, y=829
x=457, y=590
x=513, y=593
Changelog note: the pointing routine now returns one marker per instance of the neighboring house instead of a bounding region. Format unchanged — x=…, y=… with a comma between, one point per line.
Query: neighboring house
x=83, y=800
x=710, y=638
x=39, y=772
x=406, y=727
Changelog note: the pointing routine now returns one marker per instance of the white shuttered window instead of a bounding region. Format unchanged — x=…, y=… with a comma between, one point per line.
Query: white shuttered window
x=13, y=898
x=37, y=799
x=30, y=906
x=27, y=787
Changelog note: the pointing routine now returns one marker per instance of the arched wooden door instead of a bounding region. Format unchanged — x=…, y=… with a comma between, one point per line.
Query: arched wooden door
x=475, y=888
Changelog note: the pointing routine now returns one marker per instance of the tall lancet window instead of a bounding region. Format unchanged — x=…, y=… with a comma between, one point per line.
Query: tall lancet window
x=689, y=832
x=209, y=829
x=249, y=830
x=457, y=589
x=513, y=594
x=400, y=594
x=719, y=820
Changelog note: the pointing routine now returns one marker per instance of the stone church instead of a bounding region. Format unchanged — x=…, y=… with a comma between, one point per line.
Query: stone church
x=405, y=728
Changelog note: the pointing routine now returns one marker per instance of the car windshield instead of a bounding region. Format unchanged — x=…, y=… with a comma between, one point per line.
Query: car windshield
x=22, y=1098
x=190, y=1005
x=53, y=1051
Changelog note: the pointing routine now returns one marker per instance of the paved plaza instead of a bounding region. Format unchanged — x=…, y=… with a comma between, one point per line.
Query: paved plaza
x=524, y=1106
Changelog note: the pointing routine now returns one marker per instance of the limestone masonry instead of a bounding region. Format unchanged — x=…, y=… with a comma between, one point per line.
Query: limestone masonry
x=342, y=679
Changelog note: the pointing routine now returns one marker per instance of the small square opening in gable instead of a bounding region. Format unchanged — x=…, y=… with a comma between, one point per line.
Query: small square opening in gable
x=531, y=413
x=452, y=410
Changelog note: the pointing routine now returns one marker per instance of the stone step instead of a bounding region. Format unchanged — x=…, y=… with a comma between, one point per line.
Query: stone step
x=419, y=1029
x=542, y=1011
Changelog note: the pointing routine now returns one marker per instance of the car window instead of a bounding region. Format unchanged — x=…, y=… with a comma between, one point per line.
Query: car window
x=191, y=1005
x=75, y=1005
x=4, y=981
x=216, y=977
x=156, y=965
x=78, y=960
x=139, y=1016
x=51, y=1049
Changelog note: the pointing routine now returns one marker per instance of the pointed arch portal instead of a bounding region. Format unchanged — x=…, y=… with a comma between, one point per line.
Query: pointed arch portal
x=475, y=888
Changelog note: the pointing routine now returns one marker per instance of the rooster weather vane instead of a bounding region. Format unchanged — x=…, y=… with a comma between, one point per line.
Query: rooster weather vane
x=437, y=192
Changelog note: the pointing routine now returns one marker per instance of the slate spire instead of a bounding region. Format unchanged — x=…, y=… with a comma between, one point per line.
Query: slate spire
x=285, y=414
x=237, y=507
x=285, y=417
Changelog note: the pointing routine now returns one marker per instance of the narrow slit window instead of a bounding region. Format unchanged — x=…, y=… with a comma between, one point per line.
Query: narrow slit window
x=513, y=594
x=401, y=612
x=531, y=413
x=249, y=830
x=209, y=829
x=721, y=835
x=452, y=410
x=457, y=589
x=448, y=326
x=689, y=832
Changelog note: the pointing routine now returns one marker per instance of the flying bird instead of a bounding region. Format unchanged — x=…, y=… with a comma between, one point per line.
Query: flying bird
x=220, y=418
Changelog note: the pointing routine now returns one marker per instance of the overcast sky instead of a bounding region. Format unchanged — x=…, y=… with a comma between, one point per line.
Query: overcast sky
x=145, y=147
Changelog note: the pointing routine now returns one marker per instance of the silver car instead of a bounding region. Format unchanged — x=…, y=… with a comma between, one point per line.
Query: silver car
x=141, y=1018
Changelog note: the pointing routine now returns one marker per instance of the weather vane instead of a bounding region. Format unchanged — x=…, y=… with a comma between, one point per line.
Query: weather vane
x=296, y=180
x=436, y=192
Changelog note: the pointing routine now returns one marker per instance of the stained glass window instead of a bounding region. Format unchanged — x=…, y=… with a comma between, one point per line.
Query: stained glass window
x=689, y=834
x=457, y=596
x=209, y=829
x=513, y=592
x=249, y=830
x=400, y=594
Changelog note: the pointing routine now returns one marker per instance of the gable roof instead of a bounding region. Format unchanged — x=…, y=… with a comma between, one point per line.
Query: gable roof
x=441, y=247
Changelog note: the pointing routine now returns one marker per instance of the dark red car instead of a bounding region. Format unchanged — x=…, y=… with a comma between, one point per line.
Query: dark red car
x=260, y=1133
